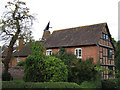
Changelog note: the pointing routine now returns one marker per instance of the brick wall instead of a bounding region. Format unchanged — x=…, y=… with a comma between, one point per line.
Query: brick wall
x=87, y=52
x=16, y=71
x=14, y=61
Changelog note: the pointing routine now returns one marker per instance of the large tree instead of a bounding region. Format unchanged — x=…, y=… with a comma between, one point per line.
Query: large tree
x=16, y=21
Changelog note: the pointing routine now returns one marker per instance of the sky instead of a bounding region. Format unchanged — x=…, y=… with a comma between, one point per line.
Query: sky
x=71, y=13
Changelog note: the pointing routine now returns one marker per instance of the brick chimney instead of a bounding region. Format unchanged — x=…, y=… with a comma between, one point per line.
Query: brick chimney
x=20, y=43
x=46, y=35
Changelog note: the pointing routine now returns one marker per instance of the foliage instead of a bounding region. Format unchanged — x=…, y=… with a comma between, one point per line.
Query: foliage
x=111, y=83
x=66, y=57
x=40, y=68
x=90, y=84
x=117, y=56
x=6, y=76
x=12, y=84
x=83, y=70
x=21, y=63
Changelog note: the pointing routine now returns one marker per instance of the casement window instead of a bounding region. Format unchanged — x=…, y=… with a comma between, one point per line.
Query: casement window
x=18, y=59
x=48, y=52
x=105, y=36
x=109, y=54
x=78, y=52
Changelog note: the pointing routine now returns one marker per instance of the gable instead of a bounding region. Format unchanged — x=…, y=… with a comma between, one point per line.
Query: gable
x=105, y=37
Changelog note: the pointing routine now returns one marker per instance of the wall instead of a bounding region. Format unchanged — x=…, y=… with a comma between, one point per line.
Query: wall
x=87, y=52
x=13, y=62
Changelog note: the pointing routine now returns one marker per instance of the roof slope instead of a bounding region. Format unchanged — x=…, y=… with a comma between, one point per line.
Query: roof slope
x=86, y=35
x=23, y=52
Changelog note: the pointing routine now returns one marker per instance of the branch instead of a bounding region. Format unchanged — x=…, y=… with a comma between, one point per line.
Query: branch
x=8, y=33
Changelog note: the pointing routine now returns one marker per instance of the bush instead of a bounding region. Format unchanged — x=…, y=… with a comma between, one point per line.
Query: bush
x=12, y=84
x=6, y=76
x=83, y=70
x=21, y=63
x=41, y=68
x=66, y=57
x=111, y=83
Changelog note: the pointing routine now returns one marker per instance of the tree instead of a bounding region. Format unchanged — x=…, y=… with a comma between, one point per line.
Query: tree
x=117, y=55
x=16, y=21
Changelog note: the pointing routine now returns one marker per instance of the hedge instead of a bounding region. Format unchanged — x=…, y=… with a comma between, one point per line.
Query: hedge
x=11, y=84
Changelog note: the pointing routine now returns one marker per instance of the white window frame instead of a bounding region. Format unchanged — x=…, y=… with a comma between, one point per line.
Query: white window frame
x=78, y=52
x=18, y=59
x=48, y=52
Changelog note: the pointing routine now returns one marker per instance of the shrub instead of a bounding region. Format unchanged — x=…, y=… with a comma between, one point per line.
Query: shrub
x=83, y=70
x=21, y=63
x=111, y=83
x=40, y=68
x=66, y=57
x=6, y=76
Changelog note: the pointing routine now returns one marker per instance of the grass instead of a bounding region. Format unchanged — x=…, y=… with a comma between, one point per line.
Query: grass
x=18, y=80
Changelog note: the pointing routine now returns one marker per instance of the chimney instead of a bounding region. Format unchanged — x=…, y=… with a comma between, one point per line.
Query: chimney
x=46, y=33
x=20, y=42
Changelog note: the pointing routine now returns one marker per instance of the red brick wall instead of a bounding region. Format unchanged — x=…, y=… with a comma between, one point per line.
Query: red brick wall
x=87, y=52
x=14, y=61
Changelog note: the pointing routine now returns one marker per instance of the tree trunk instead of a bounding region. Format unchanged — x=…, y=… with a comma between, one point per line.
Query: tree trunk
x=10, y=48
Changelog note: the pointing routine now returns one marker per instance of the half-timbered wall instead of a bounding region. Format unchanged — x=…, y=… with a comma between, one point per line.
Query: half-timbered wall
x=106, y=54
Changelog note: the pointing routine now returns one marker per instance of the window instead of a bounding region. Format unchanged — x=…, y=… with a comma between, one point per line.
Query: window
x=109, y=54
x=78, y=52
x=48, y=52
x=106, y=37
x=18, y=59
x=103, y=35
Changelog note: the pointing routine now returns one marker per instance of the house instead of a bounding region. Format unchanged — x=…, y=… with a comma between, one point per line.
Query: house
x=92, y=41
x=87, y=41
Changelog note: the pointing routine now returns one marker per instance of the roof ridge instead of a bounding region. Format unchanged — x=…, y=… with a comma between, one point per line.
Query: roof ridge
x=80, y=27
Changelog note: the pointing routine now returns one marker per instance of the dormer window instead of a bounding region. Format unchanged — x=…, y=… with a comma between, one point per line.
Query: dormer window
x=48, y=52
x=78, y=52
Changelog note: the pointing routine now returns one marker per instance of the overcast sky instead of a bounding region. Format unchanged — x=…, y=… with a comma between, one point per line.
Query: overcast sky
x=71, y=13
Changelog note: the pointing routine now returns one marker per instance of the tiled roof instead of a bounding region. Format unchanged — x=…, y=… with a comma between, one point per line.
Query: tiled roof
x=85, y=35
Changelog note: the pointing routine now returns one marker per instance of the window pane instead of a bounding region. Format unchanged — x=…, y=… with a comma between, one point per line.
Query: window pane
x=109, y=54
x=103, y=36
x=107, y=37
x=79, y=52
x=76, y=52
x=18, y=59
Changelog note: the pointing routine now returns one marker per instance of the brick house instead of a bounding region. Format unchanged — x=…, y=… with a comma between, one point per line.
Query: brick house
x=88, y=41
